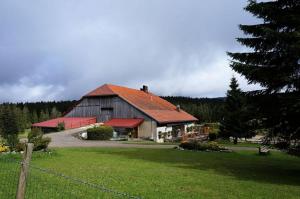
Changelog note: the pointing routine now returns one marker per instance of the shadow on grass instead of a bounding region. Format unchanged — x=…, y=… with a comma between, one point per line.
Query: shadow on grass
x=278, y=168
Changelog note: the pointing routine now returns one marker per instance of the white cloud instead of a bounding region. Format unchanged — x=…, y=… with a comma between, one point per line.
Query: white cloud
x=26, y=92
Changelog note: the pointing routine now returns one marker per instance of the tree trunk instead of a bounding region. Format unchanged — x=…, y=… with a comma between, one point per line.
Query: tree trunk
x=235, y=141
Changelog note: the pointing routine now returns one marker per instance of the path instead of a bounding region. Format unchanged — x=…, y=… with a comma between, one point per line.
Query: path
x=66, y=139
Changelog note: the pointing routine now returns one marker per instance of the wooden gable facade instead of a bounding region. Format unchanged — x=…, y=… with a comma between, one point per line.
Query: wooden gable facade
x=105, y=108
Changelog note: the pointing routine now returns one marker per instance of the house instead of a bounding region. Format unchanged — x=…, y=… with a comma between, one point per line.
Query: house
x=139, y=113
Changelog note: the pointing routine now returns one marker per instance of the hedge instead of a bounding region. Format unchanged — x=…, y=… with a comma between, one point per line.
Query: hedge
x=202, y=146
x=100, y=133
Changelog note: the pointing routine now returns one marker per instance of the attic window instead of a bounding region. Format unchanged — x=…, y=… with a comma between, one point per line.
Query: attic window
x=107, y=109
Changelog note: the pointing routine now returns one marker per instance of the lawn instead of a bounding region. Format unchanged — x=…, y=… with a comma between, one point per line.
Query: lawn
x=148, y=142
x=169, y=173
x=240, y=144
x=221, y=142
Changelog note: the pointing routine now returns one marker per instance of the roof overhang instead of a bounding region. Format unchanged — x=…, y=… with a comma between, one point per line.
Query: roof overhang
x=124, y=122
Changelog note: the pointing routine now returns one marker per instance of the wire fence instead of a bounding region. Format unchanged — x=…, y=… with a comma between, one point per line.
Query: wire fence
x=9, y=175
x=46, y=183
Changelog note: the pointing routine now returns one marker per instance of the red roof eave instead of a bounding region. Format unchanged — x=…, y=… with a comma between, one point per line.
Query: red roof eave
x=124, y=122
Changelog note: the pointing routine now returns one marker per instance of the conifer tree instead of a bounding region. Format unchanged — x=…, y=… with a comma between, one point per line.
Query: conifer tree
x=34, y=117
x=26, y=115
x=20, y=119
x=274, y=63
x=234, y=123
x=9, y=126
x=54, y=113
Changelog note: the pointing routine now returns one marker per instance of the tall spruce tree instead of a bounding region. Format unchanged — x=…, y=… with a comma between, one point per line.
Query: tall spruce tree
x=34, y=117
x=234, y=123
x=20, y=119
x=10, y=125
x=54, y=113
x=44, y=115
x=26, y=115
x=274, y=63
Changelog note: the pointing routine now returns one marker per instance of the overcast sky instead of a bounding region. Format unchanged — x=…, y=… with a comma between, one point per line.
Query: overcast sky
x=57, y=50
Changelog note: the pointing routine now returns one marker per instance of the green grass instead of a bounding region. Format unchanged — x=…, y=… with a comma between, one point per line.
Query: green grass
x=146, y=142
x=240, y=144
x=169, y=173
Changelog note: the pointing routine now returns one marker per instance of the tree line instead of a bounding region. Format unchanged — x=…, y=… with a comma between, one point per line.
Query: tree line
x=20, y=116
x=204, y=109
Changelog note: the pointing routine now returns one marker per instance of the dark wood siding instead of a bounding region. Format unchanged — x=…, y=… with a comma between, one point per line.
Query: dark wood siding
x=106, y=107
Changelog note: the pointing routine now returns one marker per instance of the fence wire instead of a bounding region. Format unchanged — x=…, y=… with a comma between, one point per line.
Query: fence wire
x=9, y=176
x=58, y=185
x=45, y=183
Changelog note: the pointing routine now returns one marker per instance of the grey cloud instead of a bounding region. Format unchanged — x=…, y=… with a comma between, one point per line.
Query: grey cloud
x=62, y=49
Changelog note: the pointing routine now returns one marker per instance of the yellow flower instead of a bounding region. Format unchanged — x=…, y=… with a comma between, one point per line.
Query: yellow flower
x=3, y=148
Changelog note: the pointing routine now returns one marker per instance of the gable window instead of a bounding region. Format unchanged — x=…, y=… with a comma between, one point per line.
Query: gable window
x=107, y=109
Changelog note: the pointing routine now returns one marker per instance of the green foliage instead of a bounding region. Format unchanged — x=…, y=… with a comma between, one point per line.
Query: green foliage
x=34, y=117
x=273, y=62
x=26, y=117
x=44, y=115
x=36, y=137
x=12, y=141
x=100, y=133
x=236, y=117
x=201, y=146
x=212, y=136
x=9, y=125
x=189, y=128
x=55, y=113
x=205, y=109
x=282, y=145
x=295, y=150
x=20, y=147
x=60, y=126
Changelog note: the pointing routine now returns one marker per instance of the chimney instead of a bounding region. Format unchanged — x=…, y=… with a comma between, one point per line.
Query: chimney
x=145, y=89
x=178, y=108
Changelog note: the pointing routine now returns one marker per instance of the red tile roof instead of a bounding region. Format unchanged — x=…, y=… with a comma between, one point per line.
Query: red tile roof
x=157, y=108
x=124, y=123
x=70, y=122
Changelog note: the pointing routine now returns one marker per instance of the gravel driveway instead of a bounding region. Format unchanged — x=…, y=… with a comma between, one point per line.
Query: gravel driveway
x=66, y=139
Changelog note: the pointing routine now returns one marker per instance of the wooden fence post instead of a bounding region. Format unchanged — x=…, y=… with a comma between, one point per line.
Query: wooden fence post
x=24, y=171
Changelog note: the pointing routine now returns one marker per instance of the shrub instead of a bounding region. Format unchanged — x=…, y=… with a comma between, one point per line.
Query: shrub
x=294, y=150
x=3, y=148
x=201, y=146
x=60, y=126
x=12, y=141
x=20, y=147
x=100, y=133
x=282, y=145
x=189, y=128
x=212, y=136
x=36, y=137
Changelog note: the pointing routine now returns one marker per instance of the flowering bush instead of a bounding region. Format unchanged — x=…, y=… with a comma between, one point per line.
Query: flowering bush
x=3, y=148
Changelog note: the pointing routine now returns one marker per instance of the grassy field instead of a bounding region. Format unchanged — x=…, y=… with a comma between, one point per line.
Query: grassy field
x=240, y=144
x=169, y=173
x=148, y=142
x=221, y=142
